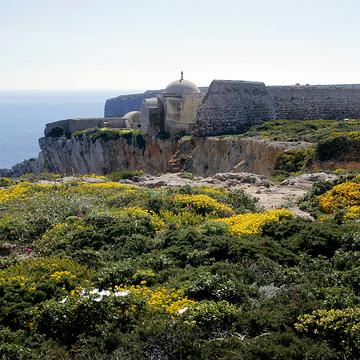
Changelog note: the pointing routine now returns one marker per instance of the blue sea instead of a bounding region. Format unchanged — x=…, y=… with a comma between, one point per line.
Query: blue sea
x=23, y=115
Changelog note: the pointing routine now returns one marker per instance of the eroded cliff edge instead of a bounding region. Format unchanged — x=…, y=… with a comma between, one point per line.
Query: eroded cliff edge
x=203, y=156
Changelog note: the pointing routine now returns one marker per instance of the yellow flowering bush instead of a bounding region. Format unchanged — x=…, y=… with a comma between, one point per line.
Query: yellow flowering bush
x=353, y=212
x=339, y=325
x=345, y=196
x=203, y=204
x=170, y=301
x=94, y=176
x=181, y=218
x=210, y=190
x=59, y=275
x=252, y=223
x=30, y=271
x=14, y=192
x=106, y=186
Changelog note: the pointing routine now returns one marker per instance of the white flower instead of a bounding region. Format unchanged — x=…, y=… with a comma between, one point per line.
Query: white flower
x=122, y=293
x=181, y=311
x=63, y=301
x=94, y=291
x=98, y=299
x=104, y=293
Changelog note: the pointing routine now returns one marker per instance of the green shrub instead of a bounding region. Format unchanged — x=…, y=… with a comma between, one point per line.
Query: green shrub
x=292, y=160
x=217, y=287
x=125, y=174
x=340, y=148
x=211, y=316
x=186, y=175
x=67, y=321
x=132, y=137
x=33, y=281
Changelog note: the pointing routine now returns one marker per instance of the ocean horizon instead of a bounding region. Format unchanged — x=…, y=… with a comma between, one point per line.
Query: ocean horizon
x=23, y=115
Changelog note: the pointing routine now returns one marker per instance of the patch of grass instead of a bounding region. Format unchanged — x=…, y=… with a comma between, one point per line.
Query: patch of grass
x=132, y=136
x=304, y=130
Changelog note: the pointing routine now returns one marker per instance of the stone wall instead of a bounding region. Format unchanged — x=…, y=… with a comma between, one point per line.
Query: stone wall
x=69, y=126
x=233, y=107
x=316, y=101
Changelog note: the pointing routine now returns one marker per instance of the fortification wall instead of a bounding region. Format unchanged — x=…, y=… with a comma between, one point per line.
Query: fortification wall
x=316, y=101
x=69, y=126
x=233, y=107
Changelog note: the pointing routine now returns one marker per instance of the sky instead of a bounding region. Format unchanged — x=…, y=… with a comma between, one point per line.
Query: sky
x=144, y=44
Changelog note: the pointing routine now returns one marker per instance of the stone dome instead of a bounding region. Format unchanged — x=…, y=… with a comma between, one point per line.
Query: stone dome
x=182, y=87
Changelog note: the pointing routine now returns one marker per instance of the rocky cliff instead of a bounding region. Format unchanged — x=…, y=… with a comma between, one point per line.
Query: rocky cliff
x=201, y=156
x=236, y=154
x=82, y=154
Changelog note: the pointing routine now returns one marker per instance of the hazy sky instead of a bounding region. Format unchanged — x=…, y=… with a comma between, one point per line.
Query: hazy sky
x=129, y=44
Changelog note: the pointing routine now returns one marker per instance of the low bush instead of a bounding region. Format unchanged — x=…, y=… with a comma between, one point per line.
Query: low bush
x=125, y=174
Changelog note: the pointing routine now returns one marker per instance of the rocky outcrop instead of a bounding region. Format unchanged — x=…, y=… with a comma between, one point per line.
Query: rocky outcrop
x=30, y=166
x=201, y=156
x=81, y=154
x=236, y=154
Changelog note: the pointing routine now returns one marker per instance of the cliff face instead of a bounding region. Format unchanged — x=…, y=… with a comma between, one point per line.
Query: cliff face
x=234, y=154
x=82, y=155
x=202, y=156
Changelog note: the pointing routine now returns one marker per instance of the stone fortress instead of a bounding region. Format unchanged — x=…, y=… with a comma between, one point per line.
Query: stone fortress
x=146, y=131
x=172, y=110
x=225, y=107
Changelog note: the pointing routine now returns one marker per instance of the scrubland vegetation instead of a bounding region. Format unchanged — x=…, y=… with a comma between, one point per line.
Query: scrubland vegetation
x=132, y=136
x=104, y=270
x=328, y=141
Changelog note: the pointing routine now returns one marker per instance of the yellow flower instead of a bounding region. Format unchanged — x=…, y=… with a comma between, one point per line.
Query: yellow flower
x=202, y=203
x=57, y=275
x=14, y=192
x=345, y=196
x=107, y=186
x=252, y=223
x=160, y=299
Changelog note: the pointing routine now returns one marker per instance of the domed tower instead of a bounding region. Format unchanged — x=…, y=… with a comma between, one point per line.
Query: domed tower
x=181, y=100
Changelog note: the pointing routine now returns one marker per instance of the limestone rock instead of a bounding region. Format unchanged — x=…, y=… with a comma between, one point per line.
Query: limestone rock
x=306, y=179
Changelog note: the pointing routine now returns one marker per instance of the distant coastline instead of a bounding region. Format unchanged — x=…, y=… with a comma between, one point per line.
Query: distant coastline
x=23, y=115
